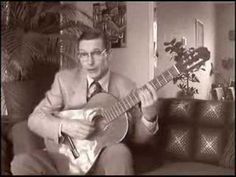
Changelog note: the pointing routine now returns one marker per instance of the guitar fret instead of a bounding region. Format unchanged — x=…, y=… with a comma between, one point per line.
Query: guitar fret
x=157, y=82
x=166, y=76
x=136, y=97
x=162, y=75
x=153, y=85
x=131, y=100
x=123, y=104
x=114, y=111
x=119, y=108
x=107, y=116
x=174, y=71
x=111, y=113
x=171, y=76
x=128, y=103
x=160, y=79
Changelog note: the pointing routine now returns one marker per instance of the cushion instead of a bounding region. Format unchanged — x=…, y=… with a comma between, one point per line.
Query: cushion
x=176, y=128
x=194, y=130
x=209, y=145
x=179, y=142
x=228, y=157
x=180, y=110
x=212, y=123
x=212, y=113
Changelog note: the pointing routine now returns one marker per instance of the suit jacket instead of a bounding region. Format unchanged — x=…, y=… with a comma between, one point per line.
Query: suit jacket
x=69, y=91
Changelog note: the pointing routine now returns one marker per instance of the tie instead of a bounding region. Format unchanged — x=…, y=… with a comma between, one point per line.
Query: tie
x=94, y=88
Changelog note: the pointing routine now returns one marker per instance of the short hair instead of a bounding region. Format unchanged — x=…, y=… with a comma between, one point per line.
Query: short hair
x=95, y=34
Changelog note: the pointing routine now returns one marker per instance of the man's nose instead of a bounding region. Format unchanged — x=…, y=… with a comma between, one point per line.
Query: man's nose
x=90, y=59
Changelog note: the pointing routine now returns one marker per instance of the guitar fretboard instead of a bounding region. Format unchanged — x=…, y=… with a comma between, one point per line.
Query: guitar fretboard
x=132, y=99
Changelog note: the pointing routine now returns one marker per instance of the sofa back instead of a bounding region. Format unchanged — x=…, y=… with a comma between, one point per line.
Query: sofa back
x=21, y=97
x=194, y=129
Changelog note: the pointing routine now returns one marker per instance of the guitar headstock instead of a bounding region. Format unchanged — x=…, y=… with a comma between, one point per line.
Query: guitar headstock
x=197, y=58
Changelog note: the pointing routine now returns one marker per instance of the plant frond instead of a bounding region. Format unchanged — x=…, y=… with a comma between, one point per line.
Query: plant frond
x=68, y=12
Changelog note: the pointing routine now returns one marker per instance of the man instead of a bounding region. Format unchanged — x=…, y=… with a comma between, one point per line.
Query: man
x=70, y=90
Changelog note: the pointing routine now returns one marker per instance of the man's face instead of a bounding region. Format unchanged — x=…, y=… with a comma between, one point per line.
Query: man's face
x=94, y=58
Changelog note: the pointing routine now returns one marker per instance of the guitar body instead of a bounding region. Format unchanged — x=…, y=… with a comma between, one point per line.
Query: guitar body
x=104, y=135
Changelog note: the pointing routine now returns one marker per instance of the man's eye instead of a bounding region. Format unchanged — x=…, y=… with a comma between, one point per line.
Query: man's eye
x=83, y=54
x=96, y=53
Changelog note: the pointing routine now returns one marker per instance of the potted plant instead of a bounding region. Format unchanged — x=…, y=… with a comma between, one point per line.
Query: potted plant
x=31, y=31
x=36, y=38
x=180, y=54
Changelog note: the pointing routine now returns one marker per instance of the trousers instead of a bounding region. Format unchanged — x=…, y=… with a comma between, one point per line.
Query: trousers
x=113, y=160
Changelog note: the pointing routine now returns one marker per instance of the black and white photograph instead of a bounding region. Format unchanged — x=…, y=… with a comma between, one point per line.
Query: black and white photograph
x=118, y=88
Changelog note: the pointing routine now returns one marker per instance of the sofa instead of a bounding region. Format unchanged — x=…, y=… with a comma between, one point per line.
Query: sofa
x=195, y=137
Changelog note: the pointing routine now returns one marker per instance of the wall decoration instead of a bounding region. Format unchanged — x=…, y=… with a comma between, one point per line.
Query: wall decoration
x=199, y=33
x=111, y=18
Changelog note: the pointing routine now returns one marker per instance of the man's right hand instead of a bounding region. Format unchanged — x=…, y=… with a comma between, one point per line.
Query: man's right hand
x=80, y=129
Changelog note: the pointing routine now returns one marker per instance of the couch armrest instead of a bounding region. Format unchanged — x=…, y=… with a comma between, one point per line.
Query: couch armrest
x=24, y=140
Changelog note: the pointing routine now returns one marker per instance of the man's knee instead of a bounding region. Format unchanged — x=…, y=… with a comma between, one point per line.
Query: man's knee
x=19, y=163
x=118, y=151
x=25, y=140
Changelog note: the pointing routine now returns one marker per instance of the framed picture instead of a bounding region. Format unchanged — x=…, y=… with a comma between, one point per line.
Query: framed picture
x=199, y=33
x=110, y=17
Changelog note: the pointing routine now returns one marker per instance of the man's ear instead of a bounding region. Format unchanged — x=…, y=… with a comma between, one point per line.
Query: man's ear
x=108, y=54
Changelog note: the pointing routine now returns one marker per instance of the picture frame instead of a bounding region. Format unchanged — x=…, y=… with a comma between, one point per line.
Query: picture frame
x=111, y=18
x=199, y=33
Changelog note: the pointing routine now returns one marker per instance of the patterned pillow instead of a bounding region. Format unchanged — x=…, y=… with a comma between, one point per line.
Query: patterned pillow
x=209, y=145
x=179, y=142
x=228, y=157
x=211, y=113
x=181, y=111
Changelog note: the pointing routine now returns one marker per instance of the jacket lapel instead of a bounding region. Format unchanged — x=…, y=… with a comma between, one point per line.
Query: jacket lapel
x=77, y=91
x=112, y=88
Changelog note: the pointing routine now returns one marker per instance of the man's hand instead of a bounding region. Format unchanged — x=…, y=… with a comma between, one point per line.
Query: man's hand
x=149, y=99
x=80, y=129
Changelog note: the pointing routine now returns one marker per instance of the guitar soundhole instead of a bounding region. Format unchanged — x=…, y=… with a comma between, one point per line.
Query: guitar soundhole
x=100, y=124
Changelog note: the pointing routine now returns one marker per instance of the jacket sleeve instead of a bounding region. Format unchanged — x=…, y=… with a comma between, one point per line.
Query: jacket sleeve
x=141, y=132
x=41, y=120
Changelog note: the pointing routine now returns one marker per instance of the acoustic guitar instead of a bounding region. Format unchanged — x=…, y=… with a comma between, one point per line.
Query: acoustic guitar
x=111, y=119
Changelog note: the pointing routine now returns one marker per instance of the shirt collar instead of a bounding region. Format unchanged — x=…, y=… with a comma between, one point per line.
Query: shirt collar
x=104, y=81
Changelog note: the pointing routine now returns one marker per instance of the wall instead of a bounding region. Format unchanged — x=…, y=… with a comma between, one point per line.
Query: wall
x=131, y=61
x=225, y=48
x=176, y=20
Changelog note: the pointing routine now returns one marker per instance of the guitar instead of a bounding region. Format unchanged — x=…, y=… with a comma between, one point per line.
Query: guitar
x=111, y=118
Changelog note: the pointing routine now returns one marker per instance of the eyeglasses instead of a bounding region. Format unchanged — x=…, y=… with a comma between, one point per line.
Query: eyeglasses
x=95, y=54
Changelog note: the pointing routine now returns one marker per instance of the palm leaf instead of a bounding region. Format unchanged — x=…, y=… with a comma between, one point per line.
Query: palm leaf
x=27, y=37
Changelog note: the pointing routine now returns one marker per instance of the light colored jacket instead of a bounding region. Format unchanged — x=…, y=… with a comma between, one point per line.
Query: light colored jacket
x=69, y=91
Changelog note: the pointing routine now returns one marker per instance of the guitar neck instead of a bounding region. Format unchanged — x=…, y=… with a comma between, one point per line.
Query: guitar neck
x=132, y=99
